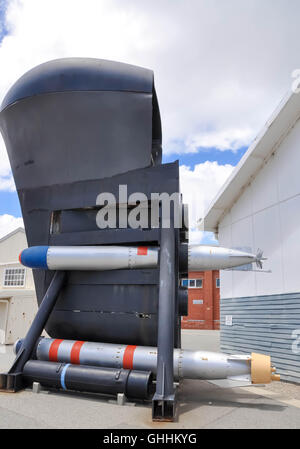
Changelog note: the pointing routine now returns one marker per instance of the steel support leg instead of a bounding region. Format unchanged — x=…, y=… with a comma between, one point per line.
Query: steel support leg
x=163, y=403
x=13, y=379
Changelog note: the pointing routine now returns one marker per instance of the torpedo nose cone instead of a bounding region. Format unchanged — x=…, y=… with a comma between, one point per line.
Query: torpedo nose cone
x=34, y=257
x=203, y=258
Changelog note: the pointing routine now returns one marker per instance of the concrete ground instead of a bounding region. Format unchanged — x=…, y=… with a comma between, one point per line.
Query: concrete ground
x=200, y=404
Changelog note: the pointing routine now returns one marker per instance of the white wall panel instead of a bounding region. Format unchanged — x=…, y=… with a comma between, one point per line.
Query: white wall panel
x=264, y=186
x=267, y=236
x=22, y=310
x=225, y=276
x=225, y=236
x=267, y=216
x=226, y=220
x=11, y=247
x=243, y=207
x=243, y=282
x=241, y=233
x=288, y=165
x=4, y=307
x=290, y=224
x=226, y=284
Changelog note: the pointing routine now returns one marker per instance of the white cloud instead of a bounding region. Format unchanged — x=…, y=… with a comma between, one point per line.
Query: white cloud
x=9, y=223
x=199, y=186
x=220, y=67
x=226, y=139
x=197, y=237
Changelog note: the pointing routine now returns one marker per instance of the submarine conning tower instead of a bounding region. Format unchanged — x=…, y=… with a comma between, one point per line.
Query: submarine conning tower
x=75, y=128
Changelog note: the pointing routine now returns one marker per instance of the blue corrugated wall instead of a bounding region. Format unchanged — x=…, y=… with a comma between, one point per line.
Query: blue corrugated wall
x=265, y=324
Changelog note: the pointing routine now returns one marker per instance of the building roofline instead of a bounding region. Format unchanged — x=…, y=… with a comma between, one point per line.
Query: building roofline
x=264, y=145
x=10, y=234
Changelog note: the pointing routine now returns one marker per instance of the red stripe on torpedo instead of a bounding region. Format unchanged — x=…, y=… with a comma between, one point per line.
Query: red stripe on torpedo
x=128, y=357
x=142, y=251
x=75, y=352
x=54, y=350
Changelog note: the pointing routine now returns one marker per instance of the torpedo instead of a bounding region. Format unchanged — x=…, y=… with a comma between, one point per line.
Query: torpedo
x=251, y=369
x=103, y=258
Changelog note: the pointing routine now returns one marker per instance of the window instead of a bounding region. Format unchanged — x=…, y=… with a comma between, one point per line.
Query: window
x=198, y=301
x=218, y=282
x=198, y=283
x=14, y=277
x=192, y=283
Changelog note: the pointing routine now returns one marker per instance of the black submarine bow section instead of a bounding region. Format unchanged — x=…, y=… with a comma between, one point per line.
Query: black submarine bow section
x=91, y=379
x=75, y=128
x=77, y=119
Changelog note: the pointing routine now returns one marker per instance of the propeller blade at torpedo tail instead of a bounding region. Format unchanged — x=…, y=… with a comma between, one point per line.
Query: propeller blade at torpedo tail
x=260, y=258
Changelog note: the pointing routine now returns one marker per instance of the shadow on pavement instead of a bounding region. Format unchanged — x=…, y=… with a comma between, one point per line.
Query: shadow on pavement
x=195, y=393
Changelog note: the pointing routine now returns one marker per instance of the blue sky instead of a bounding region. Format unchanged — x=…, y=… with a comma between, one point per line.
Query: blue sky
x=9, y=204
x=211, y=154
x=3, y=29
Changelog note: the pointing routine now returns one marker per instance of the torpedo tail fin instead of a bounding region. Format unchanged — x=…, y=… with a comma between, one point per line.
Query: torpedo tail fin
x=259, y=259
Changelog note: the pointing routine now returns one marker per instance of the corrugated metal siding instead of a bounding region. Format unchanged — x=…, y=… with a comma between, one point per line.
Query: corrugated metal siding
x=265, y=324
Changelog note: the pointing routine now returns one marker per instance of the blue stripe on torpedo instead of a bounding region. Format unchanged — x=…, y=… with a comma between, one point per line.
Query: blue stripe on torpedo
x=35, y=257
x=63, y=375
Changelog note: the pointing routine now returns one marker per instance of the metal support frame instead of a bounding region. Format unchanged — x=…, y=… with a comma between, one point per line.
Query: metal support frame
x=163, y=403
x=12, y=380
